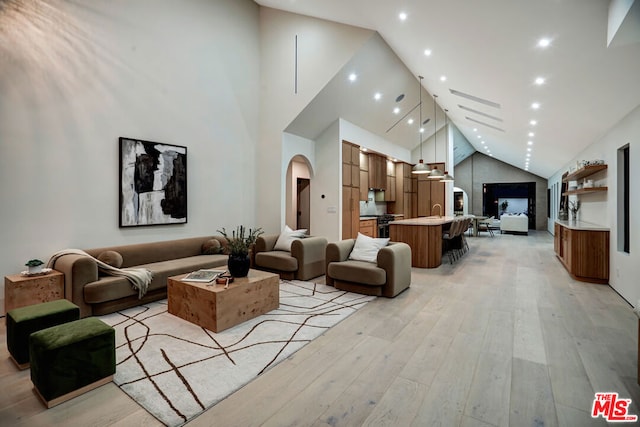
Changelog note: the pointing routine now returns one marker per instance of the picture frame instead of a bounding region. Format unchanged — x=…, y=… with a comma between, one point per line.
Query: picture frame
x=152, y=183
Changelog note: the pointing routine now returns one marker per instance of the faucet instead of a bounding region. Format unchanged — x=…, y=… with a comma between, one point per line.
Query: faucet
x=439, y=210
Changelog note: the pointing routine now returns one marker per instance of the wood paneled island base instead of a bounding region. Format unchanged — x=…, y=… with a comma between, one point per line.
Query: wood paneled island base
x=424, y=236
x=215, y=308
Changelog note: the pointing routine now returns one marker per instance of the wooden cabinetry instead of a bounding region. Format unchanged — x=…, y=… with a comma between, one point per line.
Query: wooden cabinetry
x=377, y=171
x=350, y=190
x=364, y=176
x=583, y=251
x=583, y=173
x=405, y=191
x=430, y=193
x=390, y=192
x=369, y=227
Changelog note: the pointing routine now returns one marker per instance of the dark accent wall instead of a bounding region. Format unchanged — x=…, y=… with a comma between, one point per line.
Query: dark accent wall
x=478, y=169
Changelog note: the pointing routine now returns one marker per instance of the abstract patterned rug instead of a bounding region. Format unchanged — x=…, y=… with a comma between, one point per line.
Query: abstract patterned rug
x=176, y=369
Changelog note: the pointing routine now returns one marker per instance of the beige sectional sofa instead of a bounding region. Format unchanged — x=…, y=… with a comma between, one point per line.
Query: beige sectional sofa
x=96, y=293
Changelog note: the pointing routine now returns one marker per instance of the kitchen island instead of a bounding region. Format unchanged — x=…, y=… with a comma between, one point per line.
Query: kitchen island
x=424, y=236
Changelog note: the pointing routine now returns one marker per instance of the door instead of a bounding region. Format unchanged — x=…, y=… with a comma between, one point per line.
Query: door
x=304, y=203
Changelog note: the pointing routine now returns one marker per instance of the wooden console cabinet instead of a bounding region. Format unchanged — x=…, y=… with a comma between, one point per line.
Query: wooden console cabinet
x=583, y=249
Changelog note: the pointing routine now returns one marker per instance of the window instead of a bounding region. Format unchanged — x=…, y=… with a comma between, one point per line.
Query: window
x=623, y=199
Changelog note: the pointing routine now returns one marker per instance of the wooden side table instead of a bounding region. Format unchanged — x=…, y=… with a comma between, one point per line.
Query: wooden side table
x=20, y=291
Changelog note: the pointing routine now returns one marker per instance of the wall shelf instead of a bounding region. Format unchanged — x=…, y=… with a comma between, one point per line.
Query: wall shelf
x=585, y=190
x=583, y=172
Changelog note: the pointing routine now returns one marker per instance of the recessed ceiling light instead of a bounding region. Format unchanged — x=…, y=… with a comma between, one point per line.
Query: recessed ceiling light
x=488, y=151
x=396, y=110
x=421, y=130
x=529, y=142
x=443, y=78
x=482, y=142
x=532, y=134
x=535, y=105
x=533, y=123
x=364, y=149
x=490, y=155
x=402, y=16
x=377, y=96
x=539, y=81
x=427, y=52
x=353, y=77
x=529, y=149
x=544, y=42
x=410, y=121
x=528, y=154
x=475, y=129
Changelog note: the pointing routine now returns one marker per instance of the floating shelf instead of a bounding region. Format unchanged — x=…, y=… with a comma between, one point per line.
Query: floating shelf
x=585, y=190
x=584, y=172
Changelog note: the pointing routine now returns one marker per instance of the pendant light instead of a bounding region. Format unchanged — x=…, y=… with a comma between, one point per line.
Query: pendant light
x=446, y=177
x=420, y=168
x=435, y=172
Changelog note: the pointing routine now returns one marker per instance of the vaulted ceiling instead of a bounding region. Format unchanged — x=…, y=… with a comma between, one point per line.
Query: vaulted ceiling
x=483, y=63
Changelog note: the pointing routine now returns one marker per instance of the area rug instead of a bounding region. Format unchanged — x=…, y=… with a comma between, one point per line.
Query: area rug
x=176, y=369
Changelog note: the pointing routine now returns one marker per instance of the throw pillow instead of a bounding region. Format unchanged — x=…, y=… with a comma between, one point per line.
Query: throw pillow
x=211, y=247
x=366, y=248
x=287, y=237
x=112, y=258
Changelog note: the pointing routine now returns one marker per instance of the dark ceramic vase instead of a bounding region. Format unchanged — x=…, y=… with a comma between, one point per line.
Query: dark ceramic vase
x=238, y=265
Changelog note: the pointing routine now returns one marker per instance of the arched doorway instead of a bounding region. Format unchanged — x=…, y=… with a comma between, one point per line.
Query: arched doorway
x=298, y=194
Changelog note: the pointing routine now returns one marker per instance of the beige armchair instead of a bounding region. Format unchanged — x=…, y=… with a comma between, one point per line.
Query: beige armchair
x=304, y=262
x=389, y=276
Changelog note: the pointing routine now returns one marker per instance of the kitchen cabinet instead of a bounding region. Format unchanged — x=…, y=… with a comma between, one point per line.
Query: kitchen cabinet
x=364, y=176
x=404, y=191
x=350, y=190
x=583, y=249
x=430, y=192
x=377, y=171
x=390, y=192
x=369, y=227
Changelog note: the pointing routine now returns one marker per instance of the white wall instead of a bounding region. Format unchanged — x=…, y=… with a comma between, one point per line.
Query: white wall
x=184, y=73
x=323, y=49
x=364, y=138
x=326, y=186
x=602, y=208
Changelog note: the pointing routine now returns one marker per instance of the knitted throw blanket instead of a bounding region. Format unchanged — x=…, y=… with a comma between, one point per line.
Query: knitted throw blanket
x=139, y=277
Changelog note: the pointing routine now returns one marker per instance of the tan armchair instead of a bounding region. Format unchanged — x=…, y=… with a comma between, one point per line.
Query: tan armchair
x=389, y=276
x=304, y=262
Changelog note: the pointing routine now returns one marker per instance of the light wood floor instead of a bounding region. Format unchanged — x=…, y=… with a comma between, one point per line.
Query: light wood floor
x=502, y=337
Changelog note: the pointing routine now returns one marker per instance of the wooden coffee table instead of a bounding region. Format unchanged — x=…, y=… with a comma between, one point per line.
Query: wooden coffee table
x=215, y=308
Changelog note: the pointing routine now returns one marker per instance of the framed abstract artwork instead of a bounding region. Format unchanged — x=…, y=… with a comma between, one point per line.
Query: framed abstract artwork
x=153, y=183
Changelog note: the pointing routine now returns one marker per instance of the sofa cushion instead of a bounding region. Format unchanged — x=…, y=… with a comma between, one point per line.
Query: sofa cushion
x=112, y=258
x=366, y=248
x=362, y=272
x=287, y=237
x=276, y=260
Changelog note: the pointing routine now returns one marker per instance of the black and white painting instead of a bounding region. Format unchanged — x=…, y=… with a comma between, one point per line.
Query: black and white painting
x=153, y=183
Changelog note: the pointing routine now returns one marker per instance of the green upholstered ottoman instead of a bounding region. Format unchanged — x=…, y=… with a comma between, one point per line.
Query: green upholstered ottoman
x=70, y=359
x=23, y=321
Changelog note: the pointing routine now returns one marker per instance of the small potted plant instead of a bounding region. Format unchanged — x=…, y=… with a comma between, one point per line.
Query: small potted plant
x=35, y=266
x=240, y=242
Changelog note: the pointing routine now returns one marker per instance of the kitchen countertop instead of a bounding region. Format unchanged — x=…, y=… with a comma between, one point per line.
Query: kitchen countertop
x=426, y=220
x=581, y=225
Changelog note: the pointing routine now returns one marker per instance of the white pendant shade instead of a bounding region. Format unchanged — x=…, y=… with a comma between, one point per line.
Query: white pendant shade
x=420, y=168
